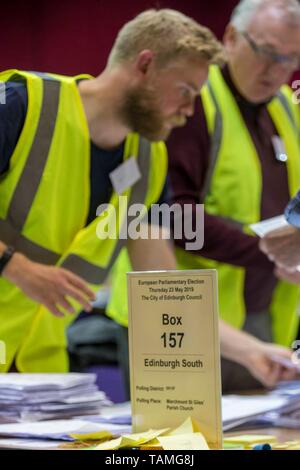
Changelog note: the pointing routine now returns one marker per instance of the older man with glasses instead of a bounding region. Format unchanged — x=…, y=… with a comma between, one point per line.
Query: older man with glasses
x=240, y=155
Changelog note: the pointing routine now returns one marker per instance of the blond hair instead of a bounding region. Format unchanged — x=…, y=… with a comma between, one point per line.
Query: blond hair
x=169, y=34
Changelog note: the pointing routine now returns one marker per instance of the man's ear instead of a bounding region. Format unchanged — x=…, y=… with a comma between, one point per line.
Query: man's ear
x=230, y=37
x=144, y=61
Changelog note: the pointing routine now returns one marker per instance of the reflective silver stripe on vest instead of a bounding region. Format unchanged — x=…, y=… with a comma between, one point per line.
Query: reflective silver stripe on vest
x=33, y=170
x=35, y=252
x=215, y=140
x=90, y=272
x=27, y=186
x=284, y=103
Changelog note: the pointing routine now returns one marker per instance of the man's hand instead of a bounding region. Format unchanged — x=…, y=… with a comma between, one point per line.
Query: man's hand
x=263, y=364
x=287, y=275
x=283, y=247
x=257, y=356
x=48, y=285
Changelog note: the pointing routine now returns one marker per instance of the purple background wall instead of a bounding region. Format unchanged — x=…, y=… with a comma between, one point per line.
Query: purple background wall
x=73, y=36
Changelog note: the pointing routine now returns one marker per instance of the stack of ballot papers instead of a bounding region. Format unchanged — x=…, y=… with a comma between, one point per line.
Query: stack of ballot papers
x=289, y=416
x=65, y=430
x=247, y=411
x=280, y=408
x=35, y=397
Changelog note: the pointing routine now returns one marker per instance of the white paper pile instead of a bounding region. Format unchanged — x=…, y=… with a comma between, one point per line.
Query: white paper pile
x=35, y=397
x=246, y=410
x=58, y=429
x=289, y=416
x=280, y=408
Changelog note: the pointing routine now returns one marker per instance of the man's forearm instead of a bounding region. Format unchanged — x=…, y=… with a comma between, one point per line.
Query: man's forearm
x=225, y=242
x=235, y=344
x=151, y=254
x=2, y=248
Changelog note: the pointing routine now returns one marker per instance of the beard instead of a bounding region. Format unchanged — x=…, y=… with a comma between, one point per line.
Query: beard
x=141, y=113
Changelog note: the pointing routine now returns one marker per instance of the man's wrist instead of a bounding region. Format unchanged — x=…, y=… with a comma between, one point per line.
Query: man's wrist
x=13, y=267
x=6, y=257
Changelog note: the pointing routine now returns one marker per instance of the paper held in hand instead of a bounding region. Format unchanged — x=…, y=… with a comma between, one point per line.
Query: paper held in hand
x=278, y=223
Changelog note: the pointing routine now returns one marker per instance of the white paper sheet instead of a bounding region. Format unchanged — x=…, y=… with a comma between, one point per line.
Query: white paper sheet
x=58, y=429
x=26, y=382
x=238, y=409
x=265, y=226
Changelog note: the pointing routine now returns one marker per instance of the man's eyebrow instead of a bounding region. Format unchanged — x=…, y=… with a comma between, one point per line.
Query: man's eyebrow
x=193, y=86
x=269, y=46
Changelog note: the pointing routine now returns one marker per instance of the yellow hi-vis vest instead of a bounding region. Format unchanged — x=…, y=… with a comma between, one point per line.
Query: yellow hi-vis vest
x=233, y=190
x=44, y=203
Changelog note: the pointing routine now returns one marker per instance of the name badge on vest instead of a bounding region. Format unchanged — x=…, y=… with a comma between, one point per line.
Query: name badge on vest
x=279, y=149
x=125, y=175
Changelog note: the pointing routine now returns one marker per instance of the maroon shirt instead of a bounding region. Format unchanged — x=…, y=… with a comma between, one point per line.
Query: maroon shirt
x=189, y=149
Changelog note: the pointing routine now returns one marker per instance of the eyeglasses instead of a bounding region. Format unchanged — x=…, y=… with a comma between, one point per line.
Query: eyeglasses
x=288, y=61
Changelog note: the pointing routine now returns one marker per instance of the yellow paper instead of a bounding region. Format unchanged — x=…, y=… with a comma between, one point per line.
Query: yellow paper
x=151, y=446
x=189, y=426
x=185, y=437
x=280, y=447
x=92, y=436
x=296, y=447
x=131, y=440
x=192, y=441
x=288, y=445
x=248, y=439
x=114, y=444
x=143, y=437
x=233, y=446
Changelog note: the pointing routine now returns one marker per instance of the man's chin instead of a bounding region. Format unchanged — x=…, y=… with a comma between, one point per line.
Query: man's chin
x=167, y=129
x=162, y=133
x=157, y=136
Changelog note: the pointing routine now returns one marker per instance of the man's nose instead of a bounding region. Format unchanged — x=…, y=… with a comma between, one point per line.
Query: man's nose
x=188, y=109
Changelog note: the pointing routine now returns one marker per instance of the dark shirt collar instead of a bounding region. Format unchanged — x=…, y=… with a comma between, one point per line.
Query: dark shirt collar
x=241, y=100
